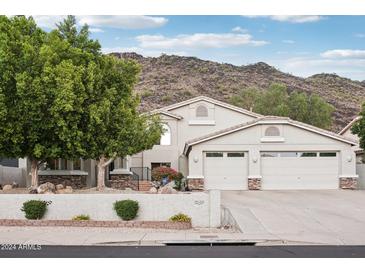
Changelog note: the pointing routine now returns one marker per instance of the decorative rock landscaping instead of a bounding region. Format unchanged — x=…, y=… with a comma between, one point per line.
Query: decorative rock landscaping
x=92, y=223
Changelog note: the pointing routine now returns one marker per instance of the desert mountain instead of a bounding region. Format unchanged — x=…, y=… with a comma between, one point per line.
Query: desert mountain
x=169, y=79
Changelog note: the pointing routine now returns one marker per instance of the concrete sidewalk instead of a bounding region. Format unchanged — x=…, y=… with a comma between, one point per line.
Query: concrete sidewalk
x=109, y=236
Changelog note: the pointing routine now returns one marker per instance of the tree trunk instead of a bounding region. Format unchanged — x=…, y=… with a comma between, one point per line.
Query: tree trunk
x=101, y=174
x=34, y=173
x=102, y=163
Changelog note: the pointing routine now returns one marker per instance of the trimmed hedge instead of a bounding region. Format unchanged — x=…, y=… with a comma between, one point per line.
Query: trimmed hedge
x=35, y=209
x=126, y=209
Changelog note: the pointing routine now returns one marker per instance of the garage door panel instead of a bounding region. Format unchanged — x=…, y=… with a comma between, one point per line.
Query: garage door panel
x=226, y=173
x=299, y=173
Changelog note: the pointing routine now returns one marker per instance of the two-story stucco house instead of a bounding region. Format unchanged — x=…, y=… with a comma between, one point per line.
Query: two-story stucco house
x=220, y=146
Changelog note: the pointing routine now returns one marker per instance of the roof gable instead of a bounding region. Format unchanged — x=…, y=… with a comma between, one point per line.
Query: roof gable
x=212, y=101
x=267, y=120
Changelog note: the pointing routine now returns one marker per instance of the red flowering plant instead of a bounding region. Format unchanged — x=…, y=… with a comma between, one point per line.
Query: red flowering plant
x=162, y=172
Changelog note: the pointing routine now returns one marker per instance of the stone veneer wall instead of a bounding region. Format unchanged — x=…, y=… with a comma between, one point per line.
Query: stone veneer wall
x=75, y=181
x=122, y=181
x=348, y=183
x=254, y=183
x=196, y=184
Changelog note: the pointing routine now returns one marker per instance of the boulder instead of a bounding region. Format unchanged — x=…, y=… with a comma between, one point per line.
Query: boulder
x=7, y=187
x=33, y=191
x=67, y=190
x=156, y=184
x=171, y=184
x=46, y=187
x=153, y=190
x=59, y=186
x=166, y=190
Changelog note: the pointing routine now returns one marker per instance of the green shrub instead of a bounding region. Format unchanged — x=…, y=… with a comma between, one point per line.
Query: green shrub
x=180, y=218
x=166, y=98
x=179, y=181
x=161, y=172
x=35, y=209
x=146, y=93
x=126, y=209
x=81, y=217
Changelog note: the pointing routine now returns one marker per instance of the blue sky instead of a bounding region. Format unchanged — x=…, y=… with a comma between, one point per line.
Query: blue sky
x=301, y=45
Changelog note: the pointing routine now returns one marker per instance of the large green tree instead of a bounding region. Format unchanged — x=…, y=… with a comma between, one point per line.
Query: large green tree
x=41, y=93
x=110, y=125
x=59, y=97
x=113, y=126
x=277, y=101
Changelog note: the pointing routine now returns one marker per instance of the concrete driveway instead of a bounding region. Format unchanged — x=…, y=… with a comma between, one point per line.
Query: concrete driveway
x=299, y=217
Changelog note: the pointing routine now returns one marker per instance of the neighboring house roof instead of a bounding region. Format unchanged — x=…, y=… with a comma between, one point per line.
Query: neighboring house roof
x=213, y=101
x=349, y=125
x=266, y=120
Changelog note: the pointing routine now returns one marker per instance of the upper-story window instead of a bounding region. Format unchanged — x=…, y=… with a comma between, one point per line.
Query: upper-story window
x=201, y=111
x=272, y=131
x=165, y=139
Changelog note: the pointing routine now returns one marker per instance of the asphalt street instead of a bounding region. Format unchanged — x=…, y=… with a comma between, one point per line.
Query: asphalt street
x=183, y=252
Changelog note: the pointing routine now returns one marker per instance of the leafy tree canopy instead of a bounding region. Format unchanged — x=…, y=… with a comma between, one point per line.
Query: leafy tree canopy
x=61, y=98
x=359, y=128
x=277, y=101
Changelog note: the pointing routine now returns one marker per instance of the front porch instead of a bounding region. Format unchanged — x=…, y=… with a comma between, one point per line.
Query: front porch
x=82, y=174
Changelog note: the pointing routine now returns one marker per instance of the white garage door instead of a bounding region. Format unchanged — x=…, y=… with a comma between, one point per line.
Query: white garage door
x=299, y=170
x=225, y=170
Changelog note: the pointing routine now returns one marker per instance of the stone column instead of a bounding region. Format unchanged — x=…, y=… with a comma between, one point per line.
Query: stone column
x=254, y=183
x=348, y=182
x=254, y=170
x=195, y=184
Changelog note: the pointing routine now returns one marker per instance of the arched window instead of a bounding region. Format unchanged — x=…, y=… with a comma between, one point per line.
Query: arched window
x=272, y=131
x=201, y=111
x=166, y=136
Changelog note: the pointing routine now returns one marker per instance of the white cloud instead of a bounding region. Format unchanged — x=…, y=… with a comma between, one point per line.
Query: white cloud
x=95, y=30
x=360, y=35
x=48, y=21
x=239, y=29
x=305, y=66
x=198, y=40
x=123, y=21
x=288, y=41
x=344, y=53
x=97, y=21
x=291, y=18
x=297, y=18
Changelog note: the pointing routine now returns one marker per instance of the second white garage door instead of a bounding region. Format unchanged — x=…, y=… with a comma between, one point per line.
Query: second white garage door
x=299, y=170
x=225, y=170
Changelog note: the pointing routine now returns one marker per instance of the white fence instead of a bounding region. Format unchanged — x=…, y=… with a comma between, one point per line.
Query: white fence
x=8, y=175
x=360, y=170
x=202, y=207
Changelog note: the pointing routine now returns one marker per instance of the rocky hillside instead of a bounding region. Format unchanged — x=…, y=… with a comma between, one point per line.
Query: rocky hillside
x=169, y=79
